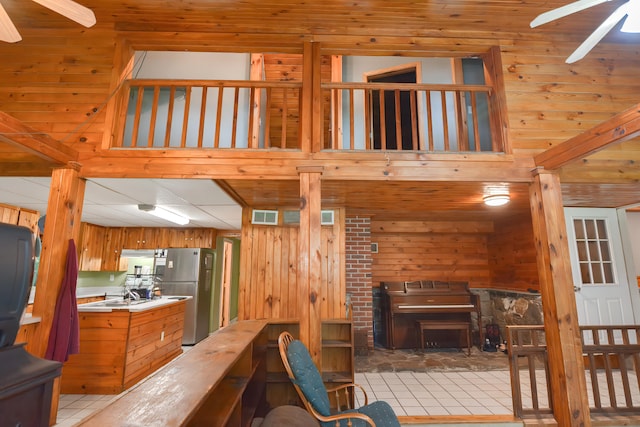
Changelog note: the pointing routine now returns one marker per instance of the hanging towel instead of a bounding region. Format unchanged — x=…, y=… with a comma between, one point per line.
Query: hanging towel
x=64, y=338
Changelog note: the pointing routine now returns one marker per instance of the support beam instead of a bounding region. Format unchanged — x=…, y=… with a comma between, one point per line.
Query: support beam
x=62, y=223
x=619, y=128
x=16, y=133
x=310, y=263
x=564, y=346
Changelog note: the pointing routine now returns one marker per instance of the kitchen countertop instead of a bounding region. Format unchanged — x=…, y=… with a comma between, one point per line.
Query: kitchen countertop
x=28, y=318
x=100, y=307
x=86, y=292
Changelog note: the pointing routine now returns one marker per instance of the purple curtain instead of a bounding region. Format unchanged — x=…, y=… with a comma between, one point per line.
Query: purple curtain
x=64, y=338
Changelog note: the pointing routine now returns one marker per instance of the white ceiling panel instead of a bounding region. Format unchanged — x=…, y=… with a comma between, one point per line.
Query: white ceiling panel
x=113, y=202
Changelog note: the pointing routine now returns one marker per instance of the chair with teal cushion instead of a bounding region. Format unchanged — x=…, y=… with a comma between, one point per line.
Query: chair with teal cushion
x=308, y=383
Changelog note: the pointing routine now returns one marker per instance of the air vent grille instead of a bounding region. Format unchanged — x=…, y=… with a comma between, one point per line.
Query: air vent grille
x=264, y=217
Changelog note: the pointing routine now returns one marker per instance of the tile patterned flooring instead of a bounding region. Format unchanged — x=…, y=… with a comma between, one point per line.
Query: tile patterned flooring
x=440, y=393
x=74, y=407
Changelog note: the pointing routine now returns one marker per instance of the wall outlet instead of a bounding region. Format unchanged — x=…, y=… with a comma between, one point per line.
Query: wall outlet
x=162, y=336
x=112, y=278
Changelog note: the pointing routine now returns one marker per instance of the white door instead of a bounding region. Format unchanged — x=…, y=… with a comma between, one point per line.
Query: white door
x=603, y=294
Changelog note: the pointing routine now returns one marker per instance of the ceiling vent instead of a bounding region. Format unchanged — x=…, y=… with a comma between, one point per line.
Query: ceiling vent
x=264, y=217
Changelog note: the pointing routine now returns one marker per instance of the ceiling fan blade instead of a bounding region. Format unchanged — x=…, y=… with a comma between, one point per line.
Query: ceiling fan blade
x=8, y=32
x=598, y=34
x=563, y=11
x=72, y=10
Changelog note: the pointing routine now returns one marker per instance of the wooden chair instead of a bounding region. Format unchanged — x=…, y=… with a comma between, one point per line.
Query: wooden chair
x=308, y=383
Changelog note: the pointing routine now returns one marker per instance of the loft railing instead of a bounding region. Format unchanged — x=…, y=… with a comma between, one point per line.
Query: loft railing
x=611, y=356
x=233, y=114
x=413, y=117
x=208, y=114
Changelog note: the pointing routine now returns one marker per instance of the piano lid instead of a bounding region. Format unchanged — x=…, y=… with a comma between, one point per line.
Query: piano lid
x=428, y=287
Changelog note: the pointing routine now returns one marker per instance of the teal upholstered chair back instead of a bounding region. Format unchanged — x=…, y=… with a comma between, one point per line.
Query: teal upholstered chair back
x=307, y=377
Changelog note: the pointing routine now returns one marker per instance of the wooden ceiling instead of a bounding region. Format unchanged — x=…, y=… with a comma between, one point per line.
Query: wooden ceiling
x=428, y=200
x=76, y=62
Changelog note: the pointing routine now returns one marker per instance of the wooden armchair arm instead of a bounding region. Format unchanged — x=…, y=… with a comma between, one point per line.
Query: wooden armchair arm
x=343, y=390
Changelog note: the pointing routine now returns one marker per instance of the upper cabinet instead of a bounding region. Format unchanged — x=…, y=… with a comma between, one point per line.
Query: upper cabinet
x=19, y=216
x=189, y=238
x=90, y=249
x=112, y=249
x=101, y=248
x=142, y=238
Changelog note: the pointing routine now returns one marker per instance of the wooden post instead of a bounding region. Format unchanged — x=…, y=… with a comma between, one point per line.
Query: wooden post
x=62, y=223
x=256, y=74
x=310, y=102
x=564, y=346
x=309, y=263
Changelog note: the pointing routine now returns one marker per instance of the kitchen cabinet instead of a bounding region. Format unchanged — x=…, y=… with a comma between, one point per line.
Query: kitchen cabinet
x=141, y=238
x=112, y=249
x=120, y=347
x=90, y=248
x=19, y=216
x=100, y=248
x=190, y=238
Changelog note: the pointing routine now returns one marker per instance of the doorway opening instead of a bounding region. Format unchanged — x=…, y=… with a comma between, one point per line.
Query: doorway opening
x=394, y=114
x=225, y=285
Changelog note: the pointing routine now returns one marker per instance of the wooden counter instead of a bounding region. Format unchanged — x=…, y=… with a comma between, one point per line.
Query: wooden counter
x=120, y=347
x=219, y=382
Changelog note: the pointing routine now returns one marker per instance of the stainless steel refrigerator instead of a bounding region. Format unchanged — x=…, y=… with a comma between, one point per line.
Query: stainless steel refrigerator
x=190, y=272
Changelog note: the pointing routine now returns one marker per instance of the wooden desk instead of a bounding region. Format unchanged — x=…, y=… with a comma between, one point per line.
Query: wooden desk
x=425, y=325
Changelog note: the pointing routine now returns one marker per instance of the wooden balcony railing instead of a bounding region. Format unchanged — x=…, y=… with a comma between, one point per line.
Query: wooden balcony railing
x=408, y=116
x=218, y=114
x=612, y=368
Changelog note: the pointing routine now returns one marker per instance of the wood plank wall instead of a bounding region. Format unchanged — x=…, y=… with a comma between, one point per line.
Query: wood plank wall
x=268, y=271
x=487, y=255
x=288, y=68
x=512, y=255
x=435, y=250
x=58, y=83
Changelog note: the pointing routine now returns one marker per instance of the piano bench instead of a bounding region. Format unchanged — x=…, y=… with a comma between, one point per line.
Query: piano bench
x=425, y=325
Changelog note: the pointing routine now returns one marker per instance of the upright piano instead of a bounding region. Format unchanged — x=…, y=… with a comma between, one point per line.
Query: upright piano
x=403, y=303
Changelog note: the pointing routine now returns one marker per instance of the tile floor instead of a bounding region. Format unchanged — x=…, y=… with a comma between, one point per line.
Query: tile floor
x=440, y=393
x=74, y=407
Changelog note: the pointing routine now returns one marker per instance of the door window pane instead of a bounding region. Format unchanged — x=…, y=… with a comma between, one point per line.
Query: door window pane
x=594, y=251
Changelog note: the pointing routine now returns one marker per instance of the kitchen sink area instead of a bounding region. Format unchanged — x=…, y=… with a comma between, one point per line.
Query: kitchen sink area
x=120, y=303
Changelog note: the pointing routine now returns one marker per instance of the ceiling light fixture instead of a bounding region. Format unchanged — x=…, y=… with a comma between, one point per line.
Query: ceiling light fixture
x=164, y=214
x=496, y=199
